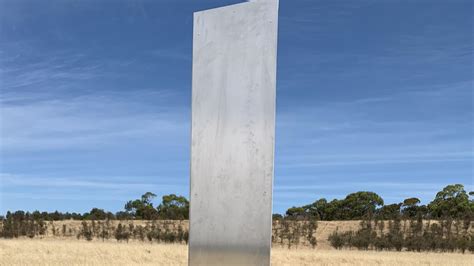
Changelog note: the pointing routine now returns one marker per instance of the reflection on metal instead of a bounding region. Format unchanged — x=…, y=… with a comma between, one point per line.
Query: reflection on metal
x=233, y=132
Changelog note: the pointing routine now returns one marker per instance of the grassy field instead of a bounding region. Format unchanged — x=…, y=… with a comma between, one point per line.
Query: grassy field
x=74, y=252
x=72, y=228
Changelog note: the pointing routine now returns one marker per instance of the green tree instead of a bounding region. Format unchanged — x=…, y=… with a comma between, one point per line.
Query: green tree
x=296, y=213
x=318, y=209
x=389, y=212
x=452, y=201
x=142, y=208
x=333, y=210
x=359, y=204
x=96, y=214
x=471, y=203
x=277, y=216
x=410, y=207
x=147, y=198
x=174, y=207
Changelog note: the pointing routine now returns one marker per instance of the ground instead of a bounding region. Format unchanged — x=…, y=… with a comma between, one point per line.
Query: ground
x=78, y=252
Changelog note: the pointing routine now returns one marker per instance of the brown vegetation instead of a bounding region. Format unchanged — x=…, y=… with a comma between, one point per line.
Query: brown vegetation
x=74, y=252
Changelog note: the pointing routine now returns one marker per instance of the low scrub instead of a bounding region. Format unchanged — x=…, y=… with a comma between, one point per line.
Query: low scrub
x=446, y=235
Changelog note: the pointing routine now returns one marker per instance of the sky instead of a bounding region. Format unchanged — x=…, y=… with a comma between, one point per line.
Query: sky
x=95, y=100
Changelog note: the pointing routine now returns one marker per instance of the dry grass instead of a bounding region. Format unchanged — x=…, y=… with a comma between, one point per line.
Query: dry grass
x=361, y=258
x=74, y=252
x=325, y=228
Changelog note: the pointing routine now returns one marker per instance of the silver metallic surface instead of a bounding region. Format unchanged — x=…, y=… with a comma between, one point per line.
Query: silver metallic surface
x=233, y=132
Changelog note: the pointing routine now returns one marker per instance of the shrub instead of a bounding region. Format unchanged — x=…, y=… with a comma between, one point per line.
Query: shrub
x=336, y=240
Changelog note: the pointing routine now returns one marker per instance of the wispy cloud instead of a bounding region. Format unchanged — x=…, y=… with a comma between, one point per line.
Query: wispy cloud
x=47, y=102
x=20, y=71
x=370, y=185
x=23, y=181
x=61, y=197
x=376, y=131
x=85, y=121
x=378, y=162
x=171, y=53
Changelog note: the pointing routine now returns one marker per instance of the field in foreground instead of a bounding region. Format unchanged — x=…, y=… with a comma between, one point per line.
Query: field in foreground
x=73, y=252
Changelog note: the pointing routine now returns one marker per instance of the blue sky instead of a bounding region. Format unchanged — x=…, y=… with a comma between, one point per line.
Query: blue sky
x=95, y=100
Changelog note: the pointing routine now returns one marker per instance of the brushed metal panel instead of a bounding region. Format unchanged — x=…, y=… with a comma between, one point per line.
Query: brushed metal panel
x=233, y=132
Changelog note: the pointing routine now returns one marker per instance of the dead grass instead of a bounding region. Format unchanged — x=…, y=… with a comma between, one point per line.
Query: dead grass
x=74, y=252
x=325, y=228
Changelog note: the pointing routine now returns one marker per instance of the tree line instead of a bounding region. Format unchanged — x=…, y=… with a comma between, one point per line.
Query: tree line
x=444, y=224
x=451, y=202
x=172, y=207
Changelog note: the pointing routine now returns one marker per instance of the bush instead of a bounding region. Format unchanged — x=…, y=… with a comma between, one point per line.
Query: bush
x=337, y=240
x=444, y=235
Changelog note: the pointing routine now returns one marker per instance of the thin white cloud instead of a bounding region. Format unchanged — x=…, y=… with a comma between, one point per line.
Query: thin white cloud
x=171, y=53
x=393, y=156
x=366, y=132
x=376, y=162
x=24, y=181
x=86, y=121
x=369, y=185
x=68, y=197
x=48, y=68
